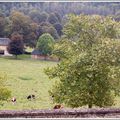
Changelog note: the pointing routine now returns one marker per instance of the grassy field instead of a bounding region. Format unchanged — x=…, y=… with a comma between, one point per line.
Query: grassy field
x=26, y=76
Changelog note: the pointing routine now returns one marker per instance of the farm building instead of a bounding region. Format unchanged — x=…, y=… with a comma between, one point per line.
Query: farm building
x=3, y=46
x=36, y=54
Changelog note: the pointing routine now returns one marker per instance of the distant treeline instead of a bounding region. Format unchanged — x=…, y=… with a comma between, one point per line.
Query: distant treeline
x=101, y=8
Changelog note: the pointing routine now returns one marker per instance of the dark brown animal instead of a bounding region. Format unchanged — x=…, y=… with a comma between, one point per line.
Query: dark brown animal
x=58, y=107
x=52, y=96
x=29, y=97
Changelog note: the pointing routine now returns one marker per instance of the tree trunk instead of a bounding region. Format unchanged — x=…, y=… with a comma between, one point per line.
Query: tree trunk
x=90, y=106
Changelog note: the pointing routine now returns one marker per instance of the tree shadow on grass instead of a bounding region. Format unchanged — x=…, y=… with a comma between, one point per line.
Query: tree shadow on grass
x=24, y=78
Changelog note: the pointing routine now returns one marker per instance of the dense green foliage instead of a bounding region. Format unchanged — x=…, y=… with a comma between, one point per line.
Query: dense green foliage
x=45, y=44
x=53, y=18
x=30, y=26
x=101, y=8
x=4, y=92
x=38, y=17
x=16, y=46
x=46, y=27
x=27, y=18
x=3, y=23
x=59, y=28
x=22, y=24
x=90, y=66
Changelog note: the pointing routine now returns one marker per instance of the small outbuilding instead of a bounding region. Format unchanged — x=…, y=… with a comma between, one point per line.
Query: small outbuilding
x=3, y=46
x=37, y=54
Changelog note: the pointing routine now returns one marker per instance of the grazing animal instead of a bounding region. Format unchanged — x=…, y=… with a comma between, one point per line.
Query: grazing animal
x=52, y=96
x=58, y=107
x=29, y=97
x=13, y=100
x=33, y=96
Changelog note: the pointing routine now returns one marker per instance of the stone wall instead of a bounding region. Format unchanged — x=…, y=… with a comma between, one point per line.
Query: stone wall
x=62, y=113
x=41, y=57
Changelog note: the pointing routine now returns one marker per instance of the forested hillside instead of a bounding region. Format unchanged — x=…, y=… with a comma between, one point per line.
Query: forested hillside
x=32, y=19
x=102, y=8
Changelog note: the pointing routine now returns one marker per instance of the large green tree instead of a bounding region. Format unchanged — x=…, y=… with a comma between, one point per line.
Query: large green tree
x=16, y=46
x=45, y=44
x=22, y=24
x=89, y=70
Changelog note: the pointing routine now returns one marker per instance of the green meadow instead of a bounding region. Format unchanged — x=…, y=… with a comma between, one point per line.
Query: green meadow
x=25, y=77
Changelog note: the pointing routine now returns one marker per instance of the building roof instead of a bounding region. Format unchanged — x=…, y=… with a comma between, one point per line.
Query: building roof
x=36, y=52
x=4, y=41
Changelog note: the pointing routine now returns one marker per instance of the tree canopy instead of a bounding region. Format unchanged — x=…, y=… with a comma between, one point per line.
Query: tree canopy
x=45, y=44
x=26, y=18
x=22, y=24
x=90, y=68
x=16, y=46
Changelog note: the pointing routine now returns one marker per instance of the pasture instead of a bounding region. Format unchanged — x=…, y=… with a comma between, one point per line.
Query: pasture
x=25, y=77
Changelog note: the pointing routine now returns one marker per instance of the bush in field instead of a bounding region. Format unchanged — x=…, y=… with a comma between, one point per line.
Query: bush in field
x=45, y=44
x=4, y=92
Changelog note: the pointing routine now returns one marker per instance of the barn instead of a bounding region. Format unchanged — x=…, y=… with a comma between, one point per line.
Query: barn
x=36, y=54
x=3, y=46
